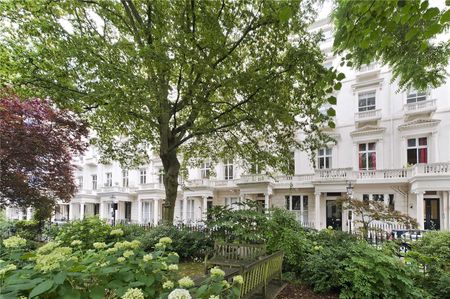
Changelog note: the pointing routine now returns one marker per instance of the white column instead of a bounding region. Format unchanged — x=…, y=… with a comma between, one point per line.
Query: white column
x=380, y=154
x=419, y=209
x=386, y=200
x=266, y=201
x=302, y=198
x=102, y=210
x=139, y=210
x=81, y=211
x=444, y=211
x=155, y=211
x=70, y=212
x=205, y=207
x=290, y=202
x=184, y=209
x=317, y=210
x=29, y=213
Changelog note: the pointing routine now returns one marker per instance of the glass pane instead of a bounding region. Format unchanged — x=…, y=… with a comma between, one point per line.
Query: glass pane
x=362, y=102
x=365, y=197
x=362, y=147
x=371, y=102
x=423, y=141
x=412, y=156
x=372, y=146
x=321, y=163
x=372, y=161
x=328, y=162
x=321, y=152
x=363, y=161
x=329, y=151
x=296, y=203
x=423, y=156
x=411, y=142
x=305, y=202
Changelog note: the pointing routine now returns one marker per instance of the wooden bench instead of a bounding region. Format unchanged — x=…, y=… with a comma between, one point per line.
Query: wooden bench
x=234, y=255
x=262, y=278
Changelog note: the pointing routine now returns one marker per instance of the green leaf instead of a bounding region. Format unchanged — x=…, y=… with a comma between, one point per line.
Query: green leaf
x=411, y=33
x=97, y=293
x=60, y=278
x=332, y=100
x=341, y=76
x=338, y=86
x=434, y=29
x=41, y=288
x=331, y=112
x=331, y=124
x=445, y=17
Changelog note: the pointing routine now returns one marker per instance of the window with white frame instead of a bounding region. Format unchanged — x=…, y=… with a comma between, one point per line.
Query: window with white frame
x=324, y=158
x=366, y=101
x=205, y=170
x=143, y=176
x=295, y=203
x=148, y=211
x=190, y=210
x=228, y=169
x=125, y=180
x=94, y=182
x=80, y=182
x=108, y=179
x=417, y=151
x=415, y=96
x=231, y=202
x=367, y=156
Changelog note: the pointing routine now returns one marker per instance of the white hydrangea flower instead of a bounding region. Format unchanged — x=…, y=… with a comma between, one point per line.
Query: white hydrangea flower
x=165, y=240
x=116, y=232
x=238, y=279
x=111, y=250
x=186, y=282
x=217, y=272
x=225, y=284
x=168, y=284
x=179, y=294
x=121, y=259
x=173, y=267
x=47, y=247
x=53, y=260
x=133, y=293
x=147, y=257
x=14, y=242
x=99, y=245
x=160, y=246
x=128, y=253
x=7, y=268
x=135, y=244
x=76, y=243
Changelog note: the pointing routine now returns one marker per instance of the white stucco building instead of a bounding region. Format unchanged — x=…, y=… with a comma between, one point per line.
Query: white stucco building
x=391, y=146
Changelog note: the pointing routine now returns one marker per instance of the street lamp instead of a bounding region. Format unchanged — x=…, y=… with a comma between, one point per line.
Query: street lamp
x=350, y=189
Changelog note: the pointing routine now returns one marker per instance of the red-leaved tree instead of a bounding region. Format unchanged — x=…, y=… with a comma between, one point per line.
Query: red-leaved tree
x=37, y=143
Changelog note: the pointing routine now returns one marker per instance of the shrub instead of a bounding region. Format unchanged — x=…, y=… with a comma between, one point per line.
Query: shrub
x=190, y=244
x=432, y=255
x=369, y=273
x=118, y=269
x=284, y=233
x=246, y=225
x=88, y=231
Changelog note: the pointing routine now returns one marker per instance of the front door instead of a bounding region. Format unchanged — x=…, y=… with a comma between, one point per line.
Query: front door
x=334, y=215
x=432, y=219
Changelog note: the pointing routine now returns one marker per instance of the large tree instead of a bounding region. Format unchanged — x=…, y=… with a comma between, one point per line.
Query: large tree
x=192, y=78
x=407, y=35
x=37, y=142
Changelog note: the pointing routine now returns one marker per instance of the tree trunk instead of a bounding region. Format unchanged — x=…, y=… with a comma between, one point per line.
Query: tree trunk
x=171, y=171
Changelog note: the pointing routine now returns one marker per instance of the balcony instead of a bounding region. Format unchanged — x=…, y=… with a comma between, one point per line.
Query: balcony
x=369, y=115
x=384, y=174
x=431, y=169
x=333, y=174
x=198, y=183
x=255, y=178
x=151, y=186
x=91, y=161
x=420, y=107
x=223, y=183
x=116, y=189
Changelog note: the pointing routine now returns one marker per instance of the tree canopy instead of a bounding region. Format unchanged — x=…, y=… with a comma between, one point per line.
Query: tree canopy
x=402, y=34
x=37, y=142
x=192, y=78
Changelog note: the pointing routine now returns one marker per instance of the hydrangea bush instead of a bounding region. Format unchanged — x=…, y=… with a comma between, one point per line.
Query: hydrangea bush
x=118, y=269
